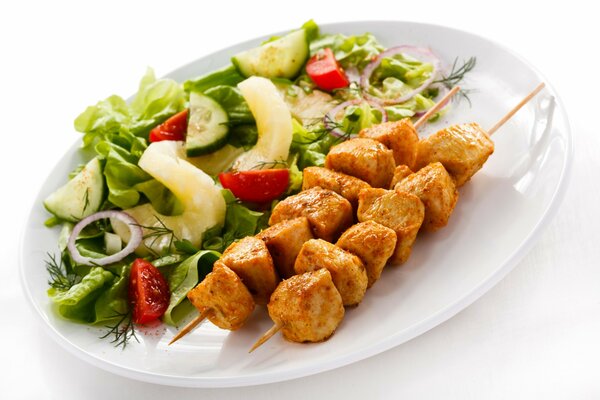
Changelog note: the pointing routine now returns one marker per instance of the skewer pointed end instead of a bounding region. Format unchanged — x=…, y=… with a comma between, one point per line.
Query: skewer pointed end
x=189, y=327
x=266, y=336
x=514, y=110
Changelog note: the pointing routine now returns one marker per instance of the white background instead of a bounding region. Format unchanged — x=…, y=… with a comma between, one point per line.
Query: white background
x=535, y=335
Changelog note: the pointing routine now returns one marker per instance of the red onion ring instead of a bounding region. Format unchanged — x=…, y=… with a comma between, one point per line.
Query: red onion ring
x=330, y=116
x=134, y=241
x=410, y=50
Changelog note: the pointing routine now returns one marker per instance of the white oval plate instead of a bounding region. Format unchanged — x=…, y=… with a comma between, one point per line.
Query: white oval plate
x=499, y=215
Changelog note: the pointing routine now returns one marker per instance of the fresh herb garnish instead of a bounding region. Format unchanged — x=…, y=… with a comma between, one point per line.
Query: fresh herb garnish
x=157, y=232
x=60, y=278
x=269, y=164
x=86, y=200
x=122, y=331
x=457, y=73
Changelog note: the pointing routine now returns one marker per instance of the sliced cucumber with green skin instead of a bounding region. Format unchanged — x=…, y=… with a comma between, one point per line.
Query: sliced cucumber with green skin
x=207, y=126
x=281, y=58
x=81, y=196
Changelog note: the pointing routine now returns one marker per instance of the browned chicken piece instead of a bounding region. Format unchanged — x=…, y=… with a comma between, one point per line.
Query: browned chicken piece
x=284, y=241
x=308, y=307
x=251, y=261
x=436, y=189
x=399, y=211
x=366, y=159
x=345, y=185
x=373, y=243
x=225, y=298
x=399, y=136
x=462, y=150
x=329, y=213
x=401, y=172
x=347, y=270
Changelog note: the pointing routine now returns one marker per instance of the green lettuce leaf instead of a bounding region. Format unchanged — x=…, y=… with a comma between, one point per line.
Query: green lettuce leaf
x=114, y=301
x=240, y=221
x=184, y=278
x=78, y=303
x=351, y=51
x=232, y=101
x=311, y=146
x=155, y=101
x=225, y=76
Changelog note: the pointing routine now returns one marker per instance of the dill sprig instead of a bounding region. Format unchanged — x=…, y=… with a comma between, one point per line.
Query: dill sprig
x=157, y=232
x=86, y=200
x=457, y=74
x=122, y=331
x=332, y=124
x=60, y=278
x=269, y=164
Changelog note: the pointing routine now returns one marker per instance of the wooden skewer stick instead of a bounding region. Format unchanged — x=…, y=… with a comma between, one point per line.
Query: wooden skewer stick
x=189, y=327
x=267, y=335
x=516, y=108
x=436, y=107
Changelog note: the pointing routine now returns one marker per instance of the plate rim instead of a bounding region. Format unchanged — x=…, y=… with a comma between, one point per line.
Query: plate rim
x=391, y=341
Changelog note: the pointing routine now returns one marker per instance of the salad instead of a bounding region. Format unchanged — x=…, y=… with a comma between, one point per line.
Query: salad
x=186, y=169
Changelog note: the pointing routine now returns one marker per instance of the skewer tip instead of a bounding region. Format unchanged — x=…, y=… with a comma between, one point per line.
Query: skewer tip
x=266, y=336
x=514, y=110
x=189, y=327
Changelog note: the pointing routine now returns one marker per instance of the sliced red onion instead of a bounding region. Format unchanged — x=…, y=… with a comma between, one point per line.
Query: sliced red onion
x=330, y=117
x=420, y=53
x=134, y=241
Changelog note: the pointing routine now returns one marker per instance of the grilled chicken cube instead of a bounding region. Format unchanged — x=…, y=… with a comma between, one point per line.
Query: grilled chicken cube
x=347, y=270
x=399, y=136
x=399, y=211
x=251, y=261
x=373, y=243
x=329, y=213
x=401, y=172
x=225, y=298
x=308, y=307
x=436, y=189
x=462, y=150
x=284, y=241
x=345, y=185
x=366, y=159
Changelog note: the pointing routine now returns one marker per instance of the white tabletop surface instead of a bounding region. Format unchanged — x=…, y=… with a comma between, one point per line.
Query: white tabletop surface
x=535, y=335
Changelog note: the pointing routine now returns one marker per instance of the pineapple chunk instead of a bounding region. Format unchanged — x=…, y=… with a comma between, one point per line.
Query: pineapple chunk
x=274, y=123
x=204, y=206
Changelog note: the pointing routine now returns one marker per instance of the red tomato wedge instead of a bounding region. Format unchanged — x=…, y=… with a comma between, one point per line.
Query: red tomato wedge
x=172, y=129
x=325, y=71
x=256, y=186
x=148, y=292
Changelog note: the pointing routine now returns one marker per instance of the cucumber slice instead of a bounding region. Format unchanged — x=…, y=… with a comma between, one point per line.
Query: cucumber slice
x=81, y=196
x=207, y=126
x=281, y=58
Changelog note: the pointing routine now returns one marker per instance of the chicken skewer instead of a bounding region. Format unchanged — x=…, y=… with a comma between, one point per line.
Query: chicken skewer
x=306, y=308
x=446, y=189
x=242, y=277
x=279, y=326
x=463, y=149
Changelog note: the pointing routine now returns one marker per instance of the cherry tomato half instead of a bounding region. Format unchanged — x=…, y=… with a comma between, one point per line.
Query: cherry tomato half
x=256, y=186
x=325, y=71
x=172, y=129
x=148, y=292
